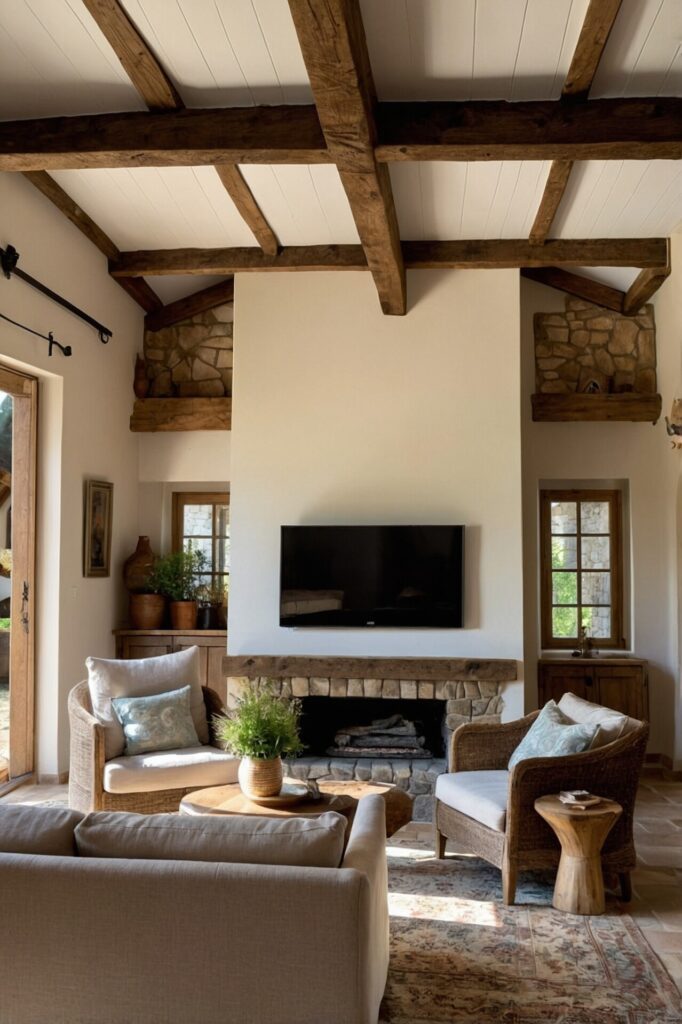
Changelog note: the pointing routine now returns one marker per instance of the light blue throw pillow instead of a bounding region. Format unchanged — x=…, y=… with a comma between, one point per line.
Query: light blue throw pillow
x=553, y=734
x=160, y=722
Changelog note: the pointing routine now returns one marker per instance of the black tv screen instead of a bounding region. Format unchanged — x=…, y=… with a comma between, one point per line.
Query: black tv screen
x=398, y=576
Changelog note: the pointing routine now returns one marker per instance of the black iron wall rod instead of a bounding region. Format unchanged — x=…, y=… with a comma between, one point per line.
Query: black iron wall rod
x=9, y=258
x=52, y=341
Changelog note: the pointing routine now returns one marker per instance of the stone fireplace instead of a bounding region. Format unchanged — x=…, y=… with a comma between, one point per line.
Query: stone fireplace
x=438, y=693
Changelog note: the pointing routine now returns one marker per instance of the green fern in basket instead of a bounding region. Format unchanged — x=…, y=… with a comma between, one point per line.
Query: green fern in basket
x=263, y=725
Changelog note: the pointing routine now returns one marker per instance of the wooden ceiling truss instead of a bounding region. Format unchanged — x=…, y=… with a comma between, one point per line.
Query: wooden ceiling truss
x=349, y=128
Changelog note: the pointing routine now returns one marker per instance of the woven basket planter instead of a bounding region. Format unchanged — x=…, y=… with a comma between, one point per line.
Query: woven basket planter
x=259, y=777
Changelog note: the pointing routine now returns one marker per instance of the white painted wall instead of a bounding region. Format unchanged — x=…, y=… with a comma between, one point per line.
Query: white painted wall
x=343, y=415
x=85, y=406
x=591, y=454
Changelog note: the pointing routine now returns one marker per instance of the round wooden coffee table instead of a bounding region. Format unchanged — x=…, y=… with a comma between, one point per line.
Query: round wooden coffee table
x=579, y=886
x=336, y=795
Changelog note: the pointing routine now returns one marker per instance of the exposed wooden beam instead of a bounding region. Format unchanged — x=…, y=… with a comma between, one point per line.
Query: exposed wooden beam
x=270, y=135
x=243, y=198
x=140, y=64
x=155, y=414
x=643, y=287
x=138, y=289
x=597, y=25
x=555, y=186
x=575, y=284
x=603, y=129
x=156, y=89
x=472, y=254
x=190, y=305
x=332, y=39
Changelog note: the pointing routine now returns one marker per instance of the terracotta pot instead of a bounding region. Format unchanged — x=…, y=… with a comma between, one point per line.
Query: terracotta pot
x=259, y=777
x=140, y=380
x=183, y=614
x=146, y=611
x=137, y=566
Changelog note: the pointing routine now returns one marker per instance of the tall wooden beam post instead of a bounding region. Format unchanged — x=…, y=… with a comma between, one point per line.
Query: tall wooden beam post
x=332, y=39
x=596, y=28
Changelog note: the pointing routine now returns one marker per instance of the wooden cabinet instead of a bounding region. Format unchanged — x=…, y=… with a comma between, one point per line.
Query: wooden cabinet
x=619, y=683
x=212, y=644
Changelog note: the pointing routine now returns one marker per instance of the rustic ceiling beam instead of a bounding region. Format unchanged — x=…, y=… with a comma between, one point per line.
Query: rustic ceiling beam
x=575, y=284
x=149, y=77
x=138, y=289
x=332, y=39
x=643, y=287
x=599, y=19
x=189, y=305
x=487, y=253
x=604, y=129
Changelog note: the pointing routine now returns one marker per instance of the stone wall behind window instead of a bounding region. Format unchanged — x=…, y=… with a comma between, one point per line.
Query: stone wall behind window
x=192, y=359
x=589, y=348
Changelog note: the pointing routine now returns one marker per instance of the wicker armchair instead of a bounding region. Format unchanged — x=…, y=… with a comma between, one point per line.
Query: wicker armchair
x=86, y=791
x=528, y=841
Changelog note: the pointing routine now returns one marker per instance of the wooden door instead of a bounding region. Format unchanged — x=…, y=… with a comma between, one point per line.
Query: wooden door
x=624, y=689
x=556, y=680
x=20, y=398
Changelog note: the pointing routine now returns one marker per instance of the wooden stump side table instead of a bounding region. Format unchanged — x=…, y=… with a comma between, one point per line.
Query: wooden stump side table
x=579, y=887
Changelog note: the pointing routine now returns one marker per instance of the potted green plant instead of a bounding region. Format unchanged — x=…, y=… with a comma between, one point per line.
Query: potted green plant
x=211, y=599
x=262, y=728
x=176, y=576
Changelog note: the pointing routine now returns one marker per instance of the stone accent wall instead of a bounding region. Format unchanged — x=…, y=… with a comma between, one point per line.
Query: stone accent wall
x=591, y=349
x=463, y=701
x=192, y=359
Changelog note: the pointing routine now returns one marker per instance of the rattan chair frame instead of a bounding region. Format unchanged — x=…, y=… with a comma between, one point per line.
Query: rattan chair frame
x=528, y=842
x=86, y=768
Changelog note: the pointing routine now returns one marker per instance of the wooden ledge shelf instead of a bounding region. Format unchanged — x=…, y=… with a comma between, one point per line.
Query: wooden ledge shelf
x=574, y=408
x=156, y=414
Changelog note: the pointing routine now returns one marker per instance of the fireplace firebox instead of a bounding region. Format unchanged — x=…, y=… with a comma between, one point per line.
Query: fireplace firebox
x=323, y=718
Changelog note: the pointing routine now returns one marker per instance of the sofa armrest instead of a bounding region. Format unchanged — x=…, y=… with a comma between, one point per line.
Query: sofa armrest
x=87, y=755
x=478, y=746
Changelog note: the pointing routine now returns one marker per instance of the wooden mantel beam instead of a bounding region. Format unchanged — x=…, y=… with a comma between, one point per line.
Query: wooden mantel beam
x=604, y=129
x=482, y=254
x=332, y=39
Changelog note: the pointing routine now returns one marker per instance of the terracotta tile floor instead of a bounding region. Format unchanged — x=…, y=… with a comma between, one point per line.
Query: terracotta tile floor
x=657, y=882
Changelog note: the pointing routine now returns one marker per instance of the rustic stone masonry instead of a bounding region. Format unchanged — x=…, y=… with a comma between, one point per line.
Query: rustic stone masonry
x=595, y=350
x=464, y=700
x=192, y=359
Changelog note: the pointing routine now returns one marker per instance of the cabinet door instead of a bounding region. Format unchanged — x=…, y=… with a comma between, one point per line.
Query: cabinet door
x=623, y=688
x=556, y=680
x=212, y=650
x=143, y=646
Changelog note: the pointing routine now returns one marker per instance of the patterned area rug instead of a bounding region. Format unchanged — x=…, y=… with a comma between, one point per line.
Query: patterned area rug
x=459, y=955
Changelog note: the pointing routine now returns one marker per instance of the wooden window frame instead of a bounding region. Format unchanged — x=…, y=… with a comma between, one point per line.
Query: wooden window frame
x=614, y=497
x=182, y=498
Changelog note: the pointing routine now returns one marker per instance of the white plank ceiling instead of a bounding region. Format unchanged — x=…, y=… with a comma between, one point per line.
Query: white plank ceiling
x=54, y=60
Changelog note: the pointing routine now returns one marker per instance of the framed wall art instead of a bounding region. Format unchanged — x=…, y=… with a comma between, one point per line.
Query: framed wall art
x=97, y=516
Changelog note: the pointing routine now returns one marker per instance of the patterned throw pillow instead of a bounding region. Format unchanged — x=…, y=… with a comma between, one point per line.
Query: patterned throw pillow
x=162, y=721
x=553, y=734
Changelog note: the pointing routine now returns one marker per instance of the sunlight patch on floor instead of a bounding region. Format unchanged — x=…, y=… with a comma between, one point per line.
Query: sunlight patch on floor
x=482, y=913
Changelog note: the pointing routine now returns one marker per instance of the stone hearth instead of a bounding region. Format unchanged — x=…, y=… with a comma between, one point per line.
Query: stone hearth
x=467, y=690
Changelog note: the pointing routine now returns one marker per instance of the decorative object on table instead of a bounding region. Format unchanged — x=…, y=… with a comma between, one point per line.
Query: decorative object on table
x=579, y=798
x=674, y=425
x=176, y=576
x=291, y=794
x=579, y=886
x=97, y=516
x=146, y=607
x=586, y=648
x=141, y=382
x=261, y=730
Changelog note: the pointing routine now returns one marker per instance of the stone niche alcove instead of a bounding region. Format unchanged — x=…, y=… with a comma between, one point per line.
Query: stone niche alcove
x=594, y=363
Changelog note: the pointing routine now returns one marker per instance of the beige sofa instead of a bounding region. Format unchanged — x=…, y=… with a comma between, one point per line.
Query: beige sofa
x=94, y=940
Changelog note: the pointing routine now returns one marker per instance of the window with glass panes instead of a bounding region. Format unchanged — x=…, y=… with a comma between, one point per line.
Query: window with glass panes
x=201, y=520
x=581, y=567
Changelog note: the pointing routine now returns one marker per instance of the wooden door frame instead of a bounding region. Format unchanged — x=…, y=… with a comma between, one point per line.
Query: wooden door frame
x=24, y=390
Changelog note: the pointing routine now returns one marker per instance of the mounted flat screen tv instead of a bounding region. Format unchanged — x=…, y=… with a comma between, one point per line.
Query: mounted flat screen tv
x=396, y=576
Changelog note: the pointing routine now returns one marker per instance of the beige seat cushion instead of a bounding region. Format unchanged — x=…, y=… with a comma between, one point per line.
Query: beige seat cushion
x=143, y=677
x=480, y=795
x=187, y=768
x=44, y=830
x=612, y=724
x=233, y=839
